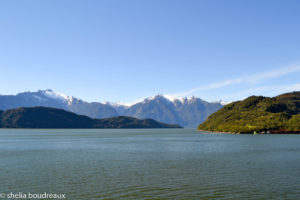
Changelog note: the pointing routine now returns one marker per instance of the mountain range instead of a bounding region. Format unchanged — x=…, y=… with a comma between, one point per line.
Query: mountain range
x=187, y=112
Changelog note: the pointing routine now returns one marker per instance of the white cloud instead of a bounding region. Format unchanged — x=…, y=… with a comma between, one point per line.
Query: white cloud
x=274, y=74
x=270, y=90
x=208, y=87
x=252, y=79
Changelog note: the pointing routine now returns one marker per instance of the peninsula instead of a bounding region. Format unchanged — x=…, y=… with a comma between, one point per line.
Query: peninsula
x=257, y=114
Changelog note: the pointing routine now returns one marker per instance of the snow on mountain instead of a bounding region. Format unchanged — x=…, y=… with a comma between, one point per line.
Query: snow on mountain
x=186, y=111
x=188, y=100
x=117, y=104
x=39, y=98
x=223, y=103
x=55, y=95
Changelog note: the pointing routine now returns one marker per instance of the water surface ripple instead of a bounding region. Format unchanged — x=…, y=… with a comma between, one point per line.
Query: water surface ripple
x=149, y=164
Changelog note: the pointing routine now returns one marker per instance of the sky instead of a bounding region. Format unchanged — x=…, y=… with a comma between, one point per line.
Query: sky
x=121, y=51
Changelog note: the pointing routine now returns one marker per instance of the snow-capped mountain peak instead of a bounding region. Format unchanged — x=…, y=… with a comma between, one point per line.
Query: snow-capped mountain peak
x=186, y=111
x=117, y=104
x=174, y=99
x=55, y=95
x=223, y=103
x=158, y=96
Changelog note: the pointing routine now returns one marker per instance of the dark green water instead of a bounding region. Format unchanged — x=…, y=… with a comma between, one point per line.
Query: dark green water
x=149, y=164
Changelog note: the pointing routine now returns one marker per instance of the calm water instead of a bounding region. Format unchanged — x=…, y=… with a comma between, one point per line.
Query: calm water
x=149, y=164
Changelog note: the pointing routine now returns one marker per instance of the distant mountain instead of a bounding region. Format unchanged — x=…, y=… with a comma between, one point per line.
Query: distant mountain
x=49, y=98
x=188, y=112
x=157, y=107
x=44, y=117
x=279, y=114
x=194, y=110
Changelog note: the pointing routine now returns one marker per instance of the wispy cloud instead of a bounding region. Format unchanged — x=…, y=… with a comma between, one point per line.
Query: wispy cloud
x=208, y=87
x=252, y=79
x=269, y=90
x=274, y=74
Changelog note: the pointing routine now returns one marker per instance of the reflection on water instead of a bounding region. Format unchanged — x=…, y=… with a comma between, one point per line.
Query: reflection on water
x=149, y=164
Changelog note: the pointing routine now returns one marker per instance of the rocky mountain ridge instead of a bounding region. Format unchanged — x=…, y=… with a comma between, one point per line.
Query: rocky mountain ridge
x=187, y=112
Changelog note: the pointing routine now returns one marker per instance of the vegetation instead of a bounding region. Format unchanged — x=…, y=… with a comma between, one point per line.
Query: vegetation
x=44, y=117
x=257, y=113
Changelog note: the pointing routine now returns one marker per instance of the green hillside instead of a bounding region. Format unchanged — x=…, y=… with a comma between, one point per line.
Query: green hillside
x=257, y=113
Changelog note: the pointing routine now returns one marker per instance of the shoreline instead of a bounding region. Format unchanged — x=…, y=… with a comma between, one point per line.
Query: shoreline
x=277, y=132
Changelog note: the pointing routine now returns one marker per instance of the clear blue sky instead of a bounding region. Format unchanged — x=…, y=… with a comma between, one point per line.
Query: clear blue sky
x=127, y=50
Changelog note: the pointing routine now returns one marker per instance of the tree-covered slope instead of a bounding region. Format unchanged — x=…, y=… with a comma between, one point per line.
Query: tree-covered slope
x=131, y=122
x=257, y=113
x=44, y=117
